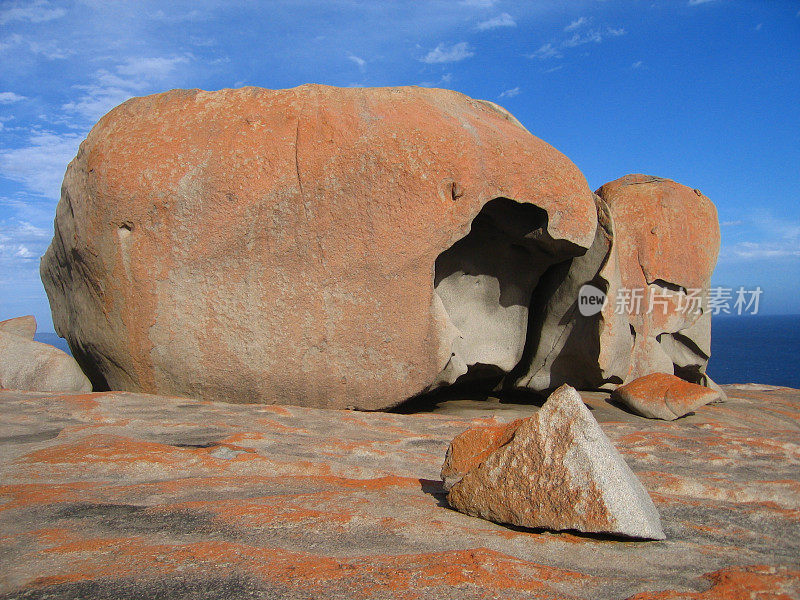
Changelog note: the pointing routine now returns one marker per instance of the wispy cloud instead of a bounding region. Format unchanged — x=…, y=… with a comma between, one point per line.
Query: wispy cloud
x=479, y=3
x=446, y=54
x=22, y=240
x=445, y=79
x=133, y=76
x=510, y=93
x=594, y=36
x=33, y=12
x=545, y=51
x=10, y=97
x=756, y=250
x=501, y=20
x=360, y=62
x=637, y=65
x=577, y=23
x=696, y=2
x=779, y=238
x=49, y=49
x=40, y=164
x=580, y=39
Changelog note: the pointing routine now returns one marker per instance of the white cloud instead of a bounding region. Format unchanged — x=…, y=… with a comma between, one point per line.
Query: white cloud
x=10, y=97
x=782, y=239
x=510, y=93
x=360, y=62
x=753, y=250
x=48, y=49
x=34, y=12
x=22, y=240
x=479, y=3
x=192, y=15
x=579, y=40
x=637, y=65
x=501, y=20
x=40, y=164
x=576, y=24
x=443, y=80
x=444, y=54
x=545, y=51
x=144, y=70
x=759, y=26
x=696, y=2
x=595, y=36
x=136, y=75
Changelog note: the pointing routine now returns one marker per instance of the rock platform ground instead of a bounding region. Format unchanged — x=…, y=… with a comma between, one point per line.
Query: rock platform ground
x=123, y=495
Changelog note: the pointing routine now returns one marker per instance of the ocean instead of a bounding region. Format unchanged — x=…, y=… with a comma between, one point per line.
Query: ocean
x=744, y=349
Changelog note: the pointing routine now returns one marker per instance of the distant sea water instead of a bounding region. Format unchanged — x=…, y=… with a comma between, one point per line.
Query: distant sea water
x=744, y=349
x=755, y=349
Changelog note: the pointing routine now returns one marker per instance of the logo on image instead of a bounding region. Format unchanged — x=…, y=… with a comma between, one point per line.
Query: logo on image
x=590, y=300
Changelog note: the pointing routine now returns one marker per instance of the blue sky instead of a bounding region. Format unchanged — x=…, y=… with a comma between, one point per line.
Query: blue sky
x=705, y=92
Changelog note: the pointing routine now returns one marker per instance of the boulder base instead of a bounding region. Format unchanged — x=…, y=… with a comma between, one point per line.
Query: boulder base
x=123, y=495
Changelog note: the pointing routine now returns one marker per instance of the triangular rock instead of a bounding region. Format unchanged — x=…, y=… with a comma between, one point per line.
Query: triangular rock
x=555, y=470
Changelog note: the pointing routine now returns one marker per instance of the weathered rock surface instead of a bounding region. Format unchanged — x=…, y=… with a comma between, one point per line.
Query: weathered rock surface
x=29, y=365
x=317, y=246
x=666, y=238
x=556, y=470
x=662, y=396
x=21, y=326
x=121, y=495
x=565, y=346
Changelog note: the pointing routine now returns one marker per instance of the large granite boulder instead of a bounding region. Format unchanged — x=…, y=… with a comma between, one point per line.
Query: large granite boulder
x=314, y=246
x=667, y=240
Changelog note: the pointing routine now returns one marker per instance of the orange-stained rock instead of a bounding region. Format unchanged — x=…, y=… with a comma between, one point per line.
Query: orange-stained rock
x=471, y=448
x=667, y=241
x=755, y=582
x=317, y=246
x=662, y=396
x=555, y=470
x=20, y=326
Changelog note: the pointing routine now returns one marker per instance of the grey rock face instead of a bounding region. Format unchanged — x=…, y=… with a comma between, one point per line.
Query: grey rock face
x=559, y=471
x=29, y=365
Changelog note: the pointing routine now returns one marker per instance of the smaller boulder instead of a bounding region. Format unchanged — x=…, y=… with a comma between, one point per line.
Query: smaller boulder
x=29, y=365
x=663, y=396
x=555, y=470
x=20, y=326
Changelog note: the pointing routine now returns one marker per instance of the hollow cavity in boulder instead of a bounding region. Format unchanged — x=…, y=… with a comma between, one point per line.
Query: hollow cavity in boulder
x=485, y=283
